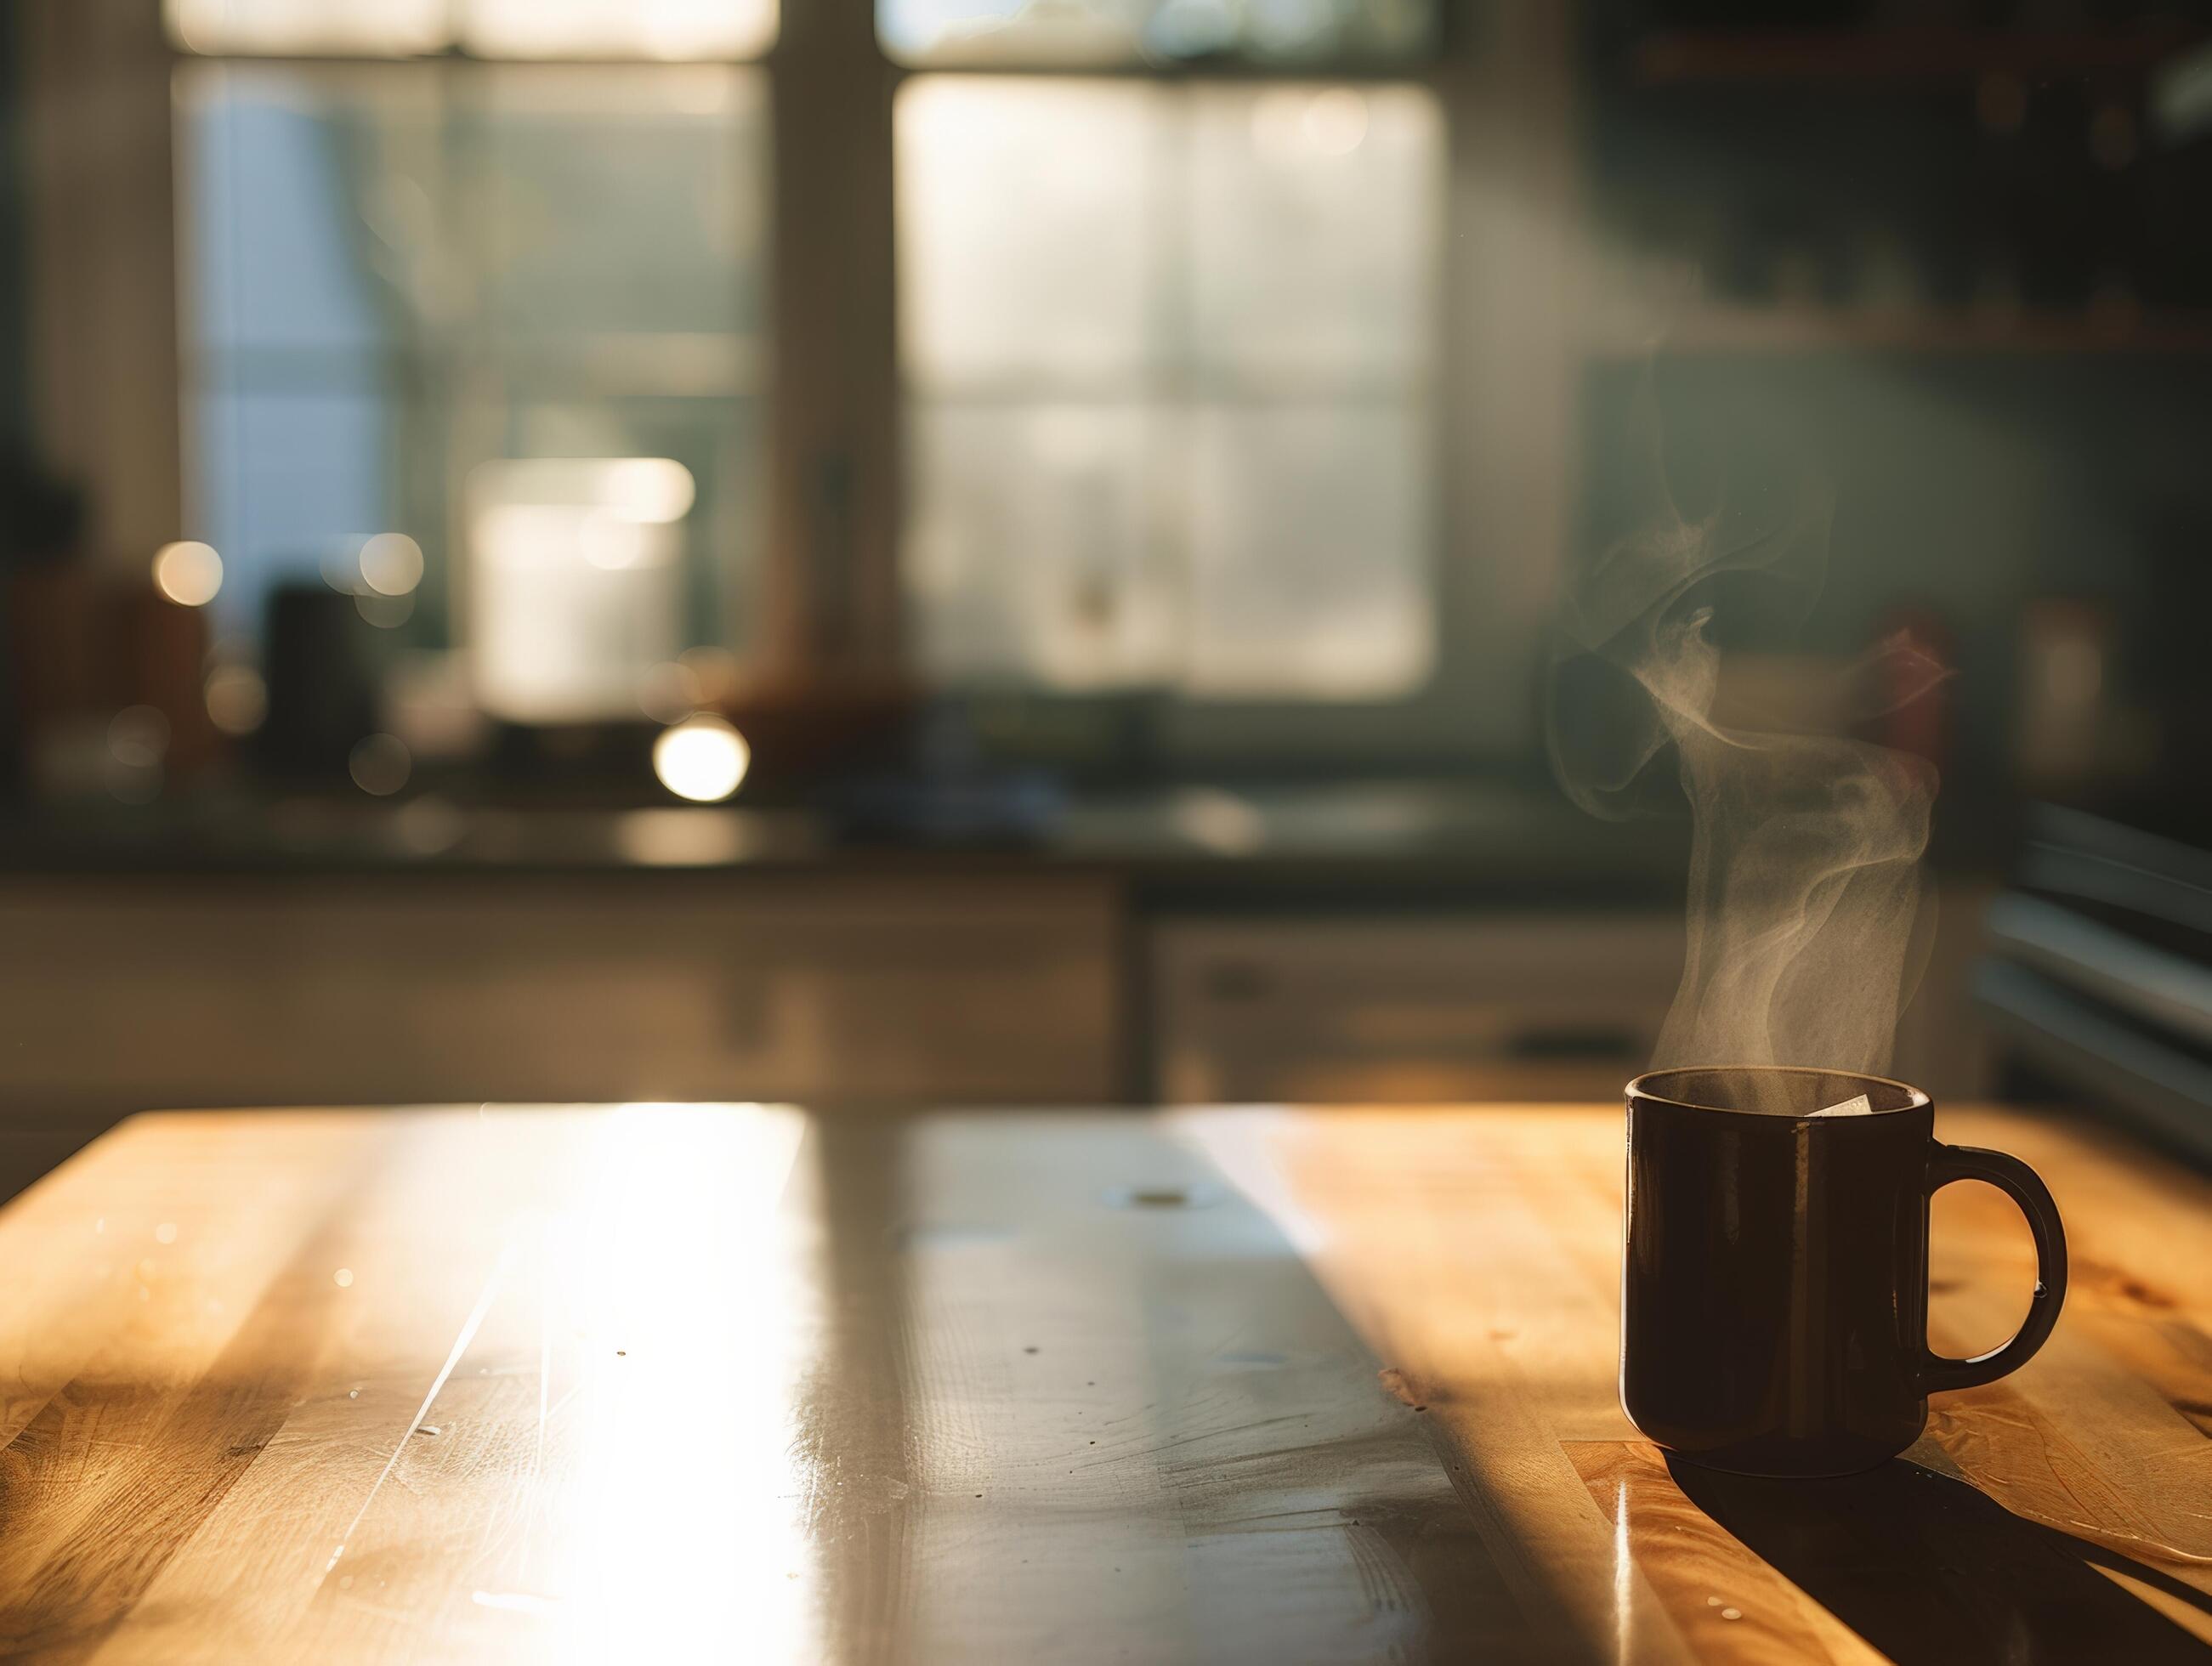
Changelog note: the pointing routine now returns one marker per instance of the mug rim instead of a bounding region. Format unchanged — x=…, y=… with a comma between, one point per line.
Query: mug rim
x=1916, y=1098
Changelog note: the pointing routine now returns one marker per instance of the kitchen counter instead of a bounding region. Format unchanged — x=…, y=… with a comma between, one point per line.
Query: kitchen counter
x=288, y=951
x=1458, y=837
x=1419, y=838
x=723, y=1382
x=1416, y=940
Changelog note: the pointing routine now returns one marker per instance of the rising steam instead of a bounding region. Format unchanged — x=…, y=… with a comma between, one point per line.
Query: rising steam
x=1807, y=930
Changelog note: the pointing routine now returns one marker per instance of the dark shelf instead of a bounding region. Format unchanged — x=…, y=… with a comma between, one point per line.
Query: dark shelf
x=1675, y=58
x=1812, y=329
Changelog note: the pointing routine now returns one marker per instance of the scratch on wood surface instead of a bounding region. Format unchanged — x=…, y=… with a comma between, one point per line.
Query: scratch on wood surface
x=468, y=1331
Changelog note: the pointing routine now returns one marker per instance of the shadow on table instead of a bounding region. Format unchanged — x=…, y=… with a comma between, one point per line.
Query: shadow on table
x=1932, y=1572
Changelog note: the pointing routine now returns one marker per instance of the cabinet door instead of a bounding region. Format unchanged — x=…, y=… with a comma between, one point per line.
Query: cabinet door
x=1478, y=1007
x=994, y=989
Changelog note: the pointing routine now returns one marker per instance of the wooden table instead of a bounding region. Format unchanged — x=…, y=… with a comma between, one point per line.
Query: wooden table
x=715, y=1383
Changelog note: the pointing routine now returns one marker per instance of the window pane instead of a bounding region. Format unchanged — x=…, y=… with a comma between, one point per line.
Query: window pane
x=277, y=266
x=665, y=29
x=1310, y=542
x=1049, y=32
x=1093, y=601
x=1314, y=231
x=617, y=202
x=1167, y=353
x=282, y=478
x=385, y=28
x=308, y=204
x=617, y=28
x=1029, y=220
x=397, y=273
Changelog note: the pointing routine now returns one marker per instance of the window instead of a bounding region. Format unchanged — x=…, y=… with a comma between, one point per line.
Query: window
x=402, y=279
x=1032, y=33
x=1168, y=345
x=487, y=28
x=1168, y=354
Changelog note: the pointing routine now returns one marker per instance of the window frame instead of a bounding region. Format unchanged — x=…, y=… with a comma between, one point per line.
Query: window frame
x=1509, y=85
x=834, y=602
x=479, y=381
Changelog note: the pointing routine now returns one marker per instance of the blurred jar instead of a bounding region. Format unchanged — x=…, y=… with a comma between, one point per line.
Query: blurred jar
x=107, y=685
x=2065, y=652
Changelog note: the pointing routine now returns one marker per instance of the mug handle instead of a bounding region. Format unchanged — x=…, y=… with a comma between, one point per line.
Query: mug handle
x=2010, y=1175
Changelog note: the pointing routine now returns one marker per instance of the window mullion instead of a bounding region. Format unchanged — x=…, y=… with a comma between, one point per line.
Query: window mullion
x=834, y=476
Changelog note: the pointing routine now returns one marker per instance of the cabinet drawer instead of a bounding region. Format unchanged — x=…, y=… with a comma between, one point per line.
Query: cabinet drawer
x=1500, y=1006
x=393, y=989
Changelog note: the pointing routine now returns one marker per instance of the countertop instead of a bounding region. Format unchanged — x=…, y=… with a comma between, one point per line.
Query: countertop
x=1426, y=838
x=1421, y=840
x=734, y=1382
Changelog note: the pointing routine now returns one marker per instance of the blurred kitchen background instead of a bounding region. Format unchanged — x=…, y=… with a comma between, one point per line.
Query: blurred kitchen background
x=1002, y=551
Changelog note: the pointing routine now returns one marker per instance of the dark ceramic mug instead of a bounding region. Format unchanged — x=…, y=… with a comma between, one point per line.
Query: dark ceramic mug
x=1774, y=1295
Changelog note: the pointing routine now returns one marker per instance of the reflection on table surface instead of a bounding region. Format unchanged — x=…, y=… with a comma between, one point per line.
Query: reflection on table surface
x=659, y=1382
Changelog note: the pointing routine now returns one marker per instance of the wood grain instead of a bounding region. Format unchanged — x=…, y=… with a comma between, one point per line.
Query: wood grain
x=713, y=1381
x=1477, y=1251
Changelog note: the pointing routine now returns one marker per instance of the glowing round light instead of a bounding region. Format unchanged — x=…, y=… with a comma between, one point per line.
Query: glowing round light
x=392, y=563
x=237, y=699
x=188, y=574
x=701, y=758
x=380, y=764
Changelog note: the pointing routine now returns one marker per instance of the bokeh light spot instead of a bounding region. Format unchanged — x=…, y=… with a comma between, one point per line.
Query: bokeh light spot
x=237, y=699
x=392, y=563
x=701, y=758
x=188, y=574
x=380, y=764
